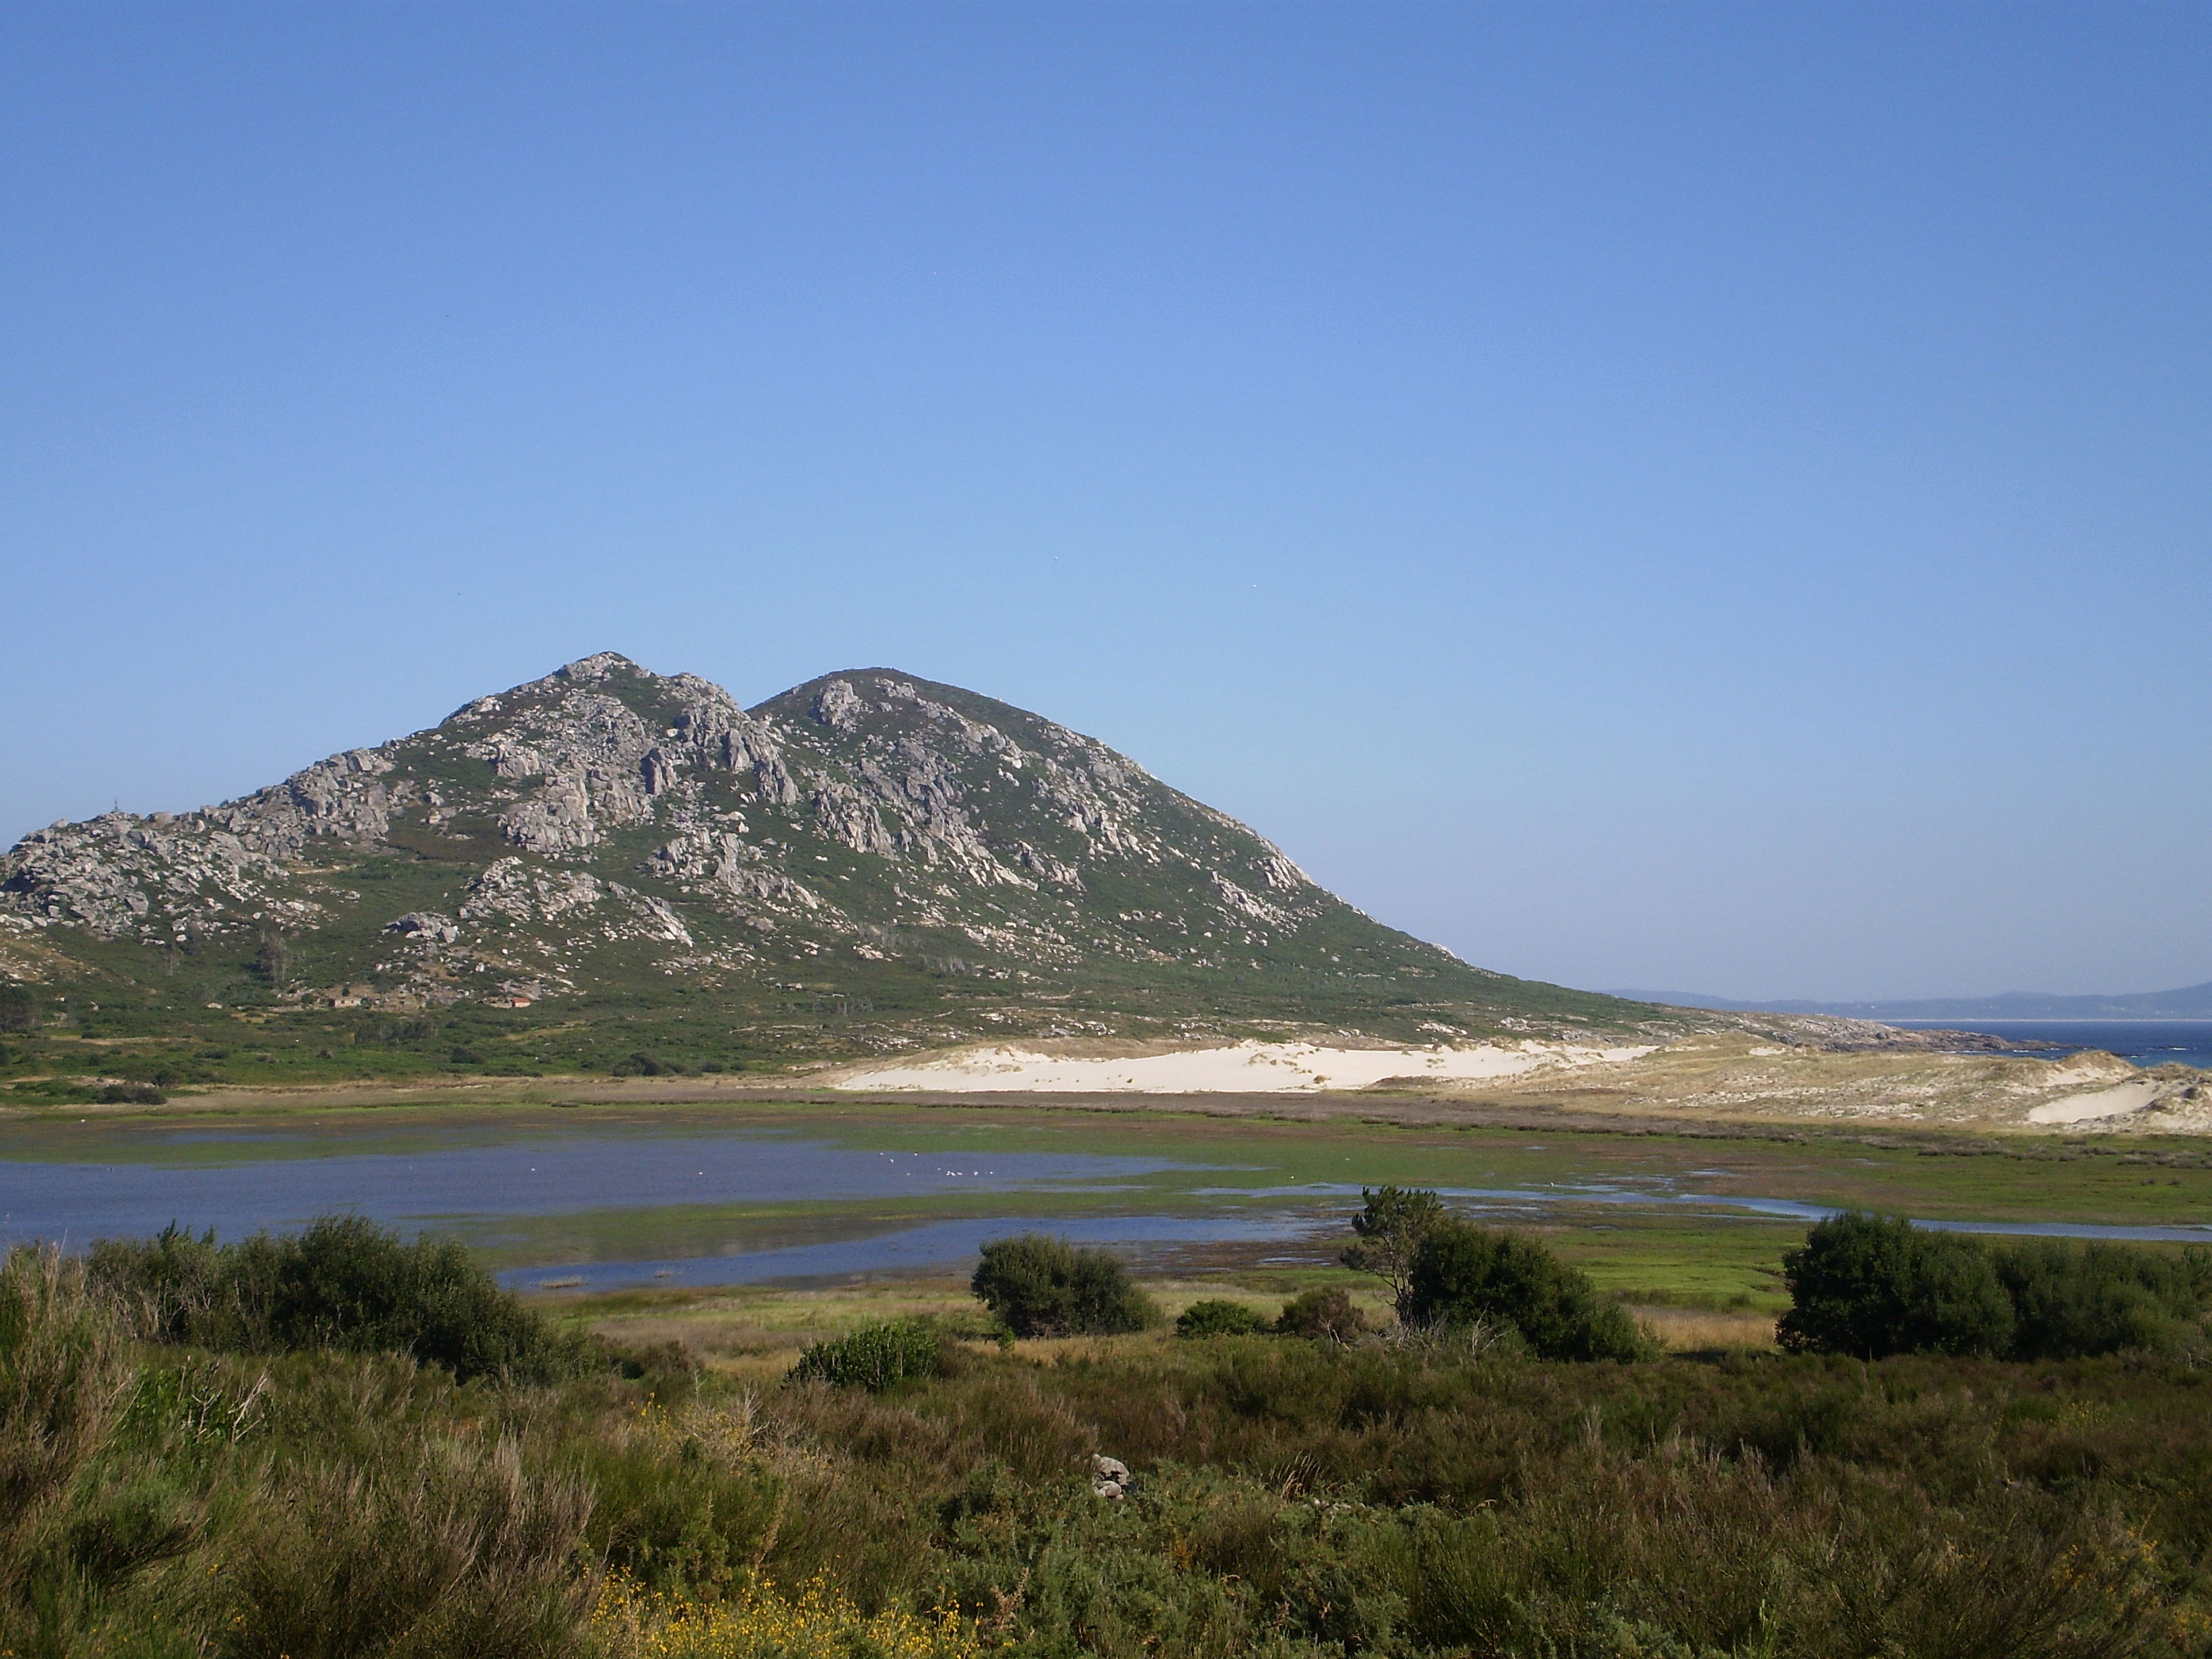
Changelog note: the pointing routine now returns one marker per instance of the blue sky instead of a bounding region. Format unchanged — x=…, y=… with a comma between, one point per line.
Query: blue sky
x=1699, y=497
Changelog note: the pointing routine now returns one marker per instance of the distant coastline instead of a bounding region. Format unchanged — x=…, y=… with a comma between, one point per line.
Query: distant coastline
x=2184, y=1002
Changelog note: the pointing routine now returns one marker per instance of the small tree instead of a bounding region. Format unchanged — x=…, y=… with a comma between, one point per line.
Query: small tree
x=1391, y=1228
x=1464, y=1274
x=1041, y=1285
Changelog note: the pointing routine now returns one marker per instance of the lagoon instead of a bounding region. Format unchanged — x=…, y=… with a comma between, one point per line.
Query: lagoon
x=700, y=1195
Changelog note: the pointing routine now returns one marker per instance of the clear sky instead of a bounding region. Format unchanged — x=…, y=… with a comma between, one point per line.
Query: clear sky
x=1695, y=497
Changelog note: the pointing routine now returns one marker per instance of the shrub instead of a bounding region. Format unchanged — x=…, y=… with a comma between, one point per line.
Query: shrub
x=63, y=1379
x=759, y=1623
x=344, y=1283
x=18, y=1012
x=1218, y=1316
x=645, y=1065
x=2075, y=1300
x=77, y=1523
x=1873, y=1286
x=128, y=1094
x=873, y=1357
x=1041, y=1285
x=682, y=1504
x=1463, y=1274
x=1322, y=1313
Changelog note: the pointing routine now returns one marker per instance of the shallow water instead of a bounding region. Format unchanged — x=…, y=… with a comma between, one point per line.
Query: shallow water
x=945, y=1245
x=1502, y=1203
x=646, y=1201
x=468, y=1178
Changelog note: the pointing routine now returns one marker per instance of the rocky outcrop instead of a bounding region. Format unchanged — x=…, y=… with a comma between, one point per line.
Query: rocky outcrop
x=424, y=927
x=513, y=891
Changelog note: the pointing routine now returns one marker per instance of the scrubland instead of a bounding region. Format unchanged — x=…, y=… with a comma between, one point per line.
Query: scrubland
x=273, y=1480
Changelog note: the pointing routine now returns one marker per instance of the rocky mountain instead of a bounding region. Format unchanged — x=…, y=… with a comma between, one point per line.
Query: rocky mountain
x=869, y=855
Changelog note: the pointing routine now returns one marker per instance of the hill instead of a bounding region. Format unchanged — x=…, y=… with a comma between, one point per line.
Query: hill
x=610, y=868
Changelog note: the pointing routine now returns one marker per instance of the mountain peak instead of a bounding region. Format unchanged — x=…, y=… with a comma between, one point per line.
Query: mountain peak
x=597, y=666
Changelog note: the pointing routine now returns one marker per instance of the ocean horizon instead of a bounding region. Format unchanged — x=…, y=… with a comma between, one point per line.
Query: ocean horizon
x=2143, y=1042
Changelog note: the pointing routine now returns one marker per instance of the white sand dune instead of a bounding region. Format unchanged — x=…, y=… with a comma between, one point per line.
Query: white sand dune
x=1241, y=1068
x=2105, y=1103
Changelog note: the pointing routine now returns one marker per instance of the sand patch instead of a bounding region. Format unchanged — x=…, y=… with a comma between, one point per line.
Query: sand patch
x=1247, y=1068
x=2105, y=1103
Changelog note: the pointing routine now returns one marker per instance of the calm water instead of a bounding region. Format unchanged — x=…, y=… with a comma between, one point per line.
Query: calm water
x=640, y=1202
x=2144, y=1041
x=238, y=1184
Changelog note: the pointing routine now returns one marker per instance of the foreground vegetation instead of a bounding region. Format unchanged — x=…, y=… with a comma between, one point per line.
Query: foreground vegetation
x=292, y=1459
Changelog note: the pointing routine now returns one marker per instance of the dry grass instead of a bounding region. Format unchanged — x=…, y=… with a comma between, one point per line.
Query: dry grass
x=1703, y=1330
x=757, y=1332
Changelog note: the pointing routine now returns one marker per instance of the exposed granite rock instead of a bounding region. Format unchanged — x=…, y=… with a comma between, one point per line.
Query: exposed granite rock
x=425, y=927
x=514, y=890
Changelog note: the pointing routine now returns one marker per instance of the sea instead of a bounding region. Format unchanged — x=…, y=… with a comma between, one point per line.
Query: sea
x=2143, y=1041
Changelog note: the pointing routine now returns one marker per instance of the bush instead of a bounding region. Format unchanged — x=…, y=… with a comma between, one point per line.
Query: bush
x=873, y=1357
x=1041, y=1285
x=1873, y=1285
x=18, y=1012
x=2076, y=1301
x=1323, y=1313
x=680, y=1504
x=128, y=1094
x=345, y=1283
x=645, y=1065
x=1218, y=1316
x=1463, y=1274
